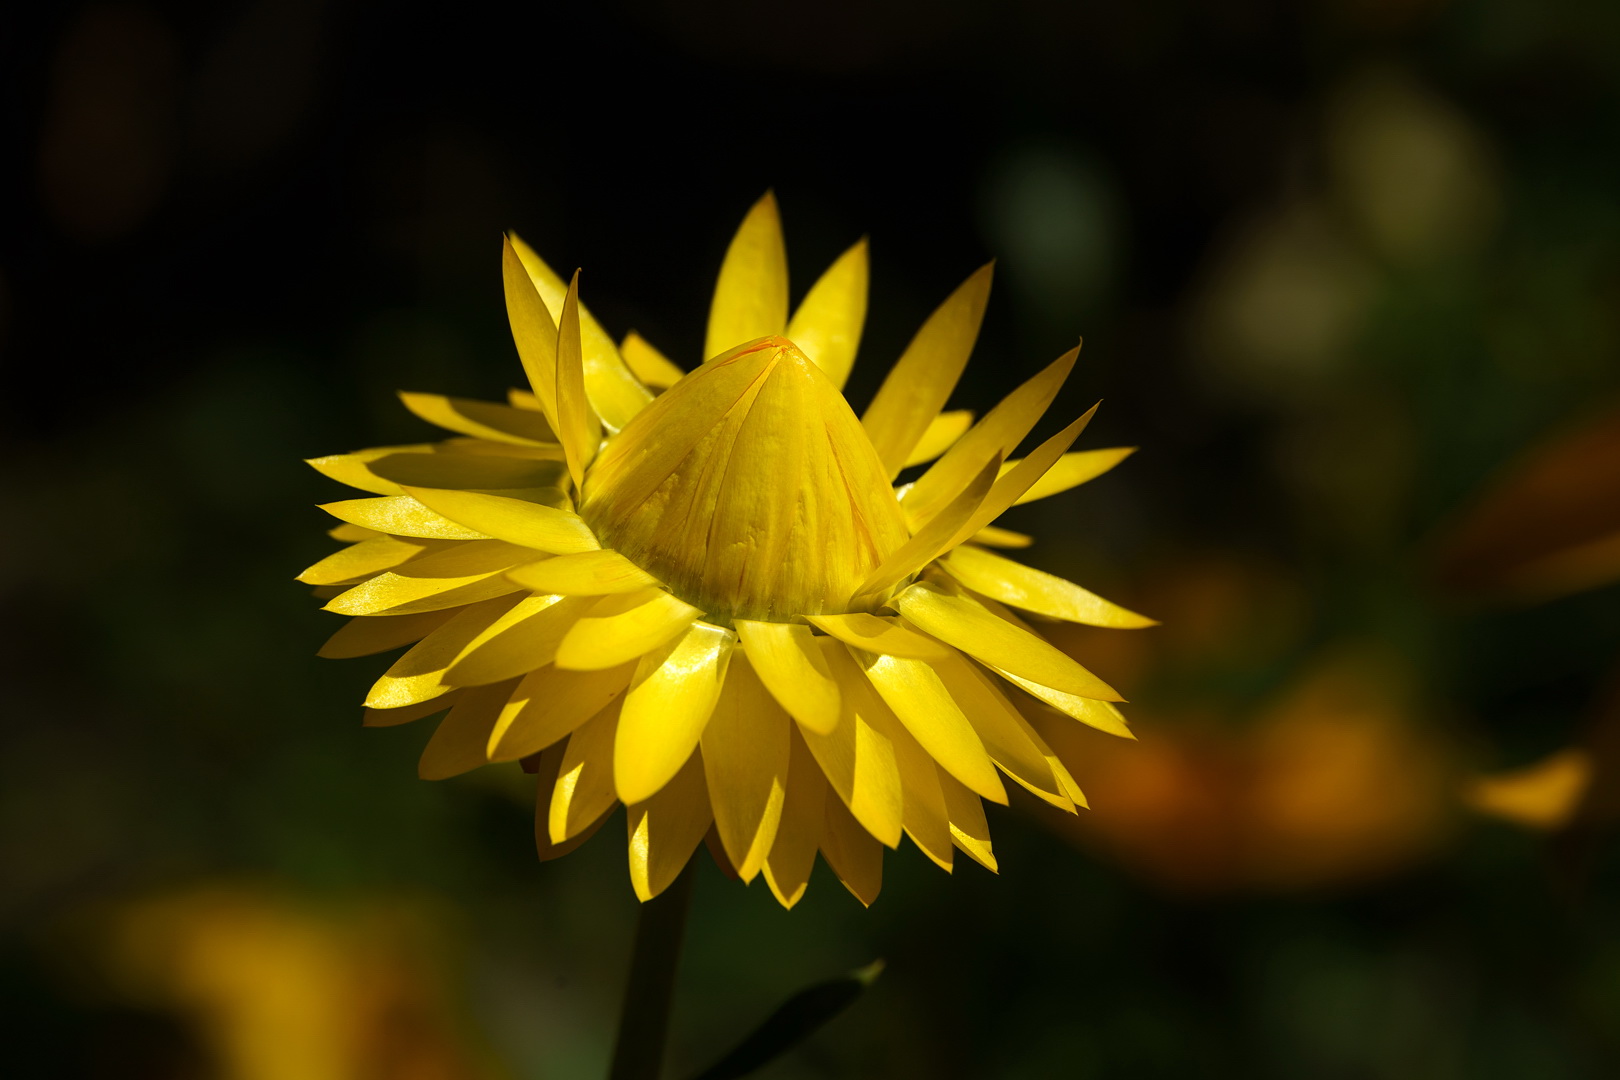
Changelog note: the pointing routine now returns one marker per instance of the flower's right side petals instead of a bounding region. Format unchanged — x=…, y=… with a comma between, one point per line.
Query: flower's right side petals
x=788, y=662
x=852, y=852
x=918, y=386
x=1007, y=489
x=649, y=365
x=1102, y=715
x=751, y=296
x=942, y=433
x=827, y=326
x=584, y=787
x=745, y=759
x=879, y=635
x=1006, y=736
x=1071, y=471
x=968, y=625
x=533, y=329
x=671, y=697
x=517, y=521
x=935, y=536
x=798, y=833
x=666, y=828
x=1032, y=590
x=969, y=830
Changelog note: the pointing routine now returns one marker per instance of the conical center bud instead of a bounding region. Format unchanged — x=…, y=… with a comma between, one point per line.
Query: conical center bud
x=749, y=488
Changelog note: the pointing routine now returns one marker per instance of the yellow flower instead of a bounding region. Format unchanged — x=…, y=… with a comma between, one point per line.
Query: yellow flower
x=701, y=596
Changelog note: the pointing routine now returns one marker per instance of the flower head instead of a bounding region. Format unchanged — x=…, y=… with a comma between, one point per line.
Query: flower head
x=701, y=594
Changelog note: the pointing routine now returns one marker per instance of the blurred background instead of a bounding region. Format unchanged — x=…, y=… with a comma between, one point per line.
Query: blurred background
x=1348, y=271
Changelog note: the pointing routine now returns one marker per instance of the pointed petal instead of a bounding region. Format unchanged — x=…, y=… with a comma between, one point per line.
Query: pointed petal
x=1071, y=471
x=879, y=635
x=1102, y=715
x=452, y=577
x=1045, y=594
x=1006, y=735
x=851, y=851
x=666, y=828
x=995, y=436
x=649, y=365
x=919, y=698
x=968, y=625
x=923, y=813
x=615, y=393
x=406, y=714
x=371, y=634
x=549, y=704
x=798, y=834
x=481, y=419
x=943, y=431
x=584, y=787
x=517, y=521
x=456, y=469
x=399, y=515
x=362, y=560
x=857, y=756
x=670, y=699
x=932, y=538
x=789, y=663
x=990, y=536
x=458, y=742
x=578, y=428
x=922, y=380
x=418, y=675
x=751, y=297
x=969, y=830
x=623, y=627
x=828, y=324
x=745, y=759
x=355, y=469
x=533, y=330
x=1008, y=489
x=589, y=573
x=523, y=640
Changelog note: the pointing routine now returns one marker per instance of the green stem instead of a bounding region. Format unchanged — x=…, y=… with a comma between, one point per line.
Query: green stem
x=638, y=1053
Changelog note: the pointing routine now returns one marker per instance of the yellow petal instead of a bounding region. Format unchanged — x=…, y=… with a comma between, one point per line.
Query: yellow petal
x=1007, y=737
x=546, y=779
x=968, y=625
x=969, y=830
x=523, y=399
x=857, y=757
x=751, y=297
x=380, y=633
x=615, y=393
x=362, y=560
x=920, y=382
x=1072, y=470
x=922, y=802
x=995, y=436
x=1102, y=715
x=481, y=419
x=458, y=742
x=789, y=663
x=405, y=714
x=549, y=704
x=578, y=428
x=880, y=635
x=355, y=469
x=623, y=627
x=851, y=851
x=589, y=573
x=418, y=675
x=666, y=828
x=520, y=641
x=745, y=760
x=914, y=691
x=517, y=521
x=455, y=576
x=460, y=469
x=650, y=366
x=942, y=431
x=352, y=534
x=584, y=787
x=828, y=324
x=793, y=854
x=399, y=515
x=1008, y=489
x=1545, y=795
x=932, y=538
x=533, y=330
x=990, y=536
x=670, y=699
x=1030, y=589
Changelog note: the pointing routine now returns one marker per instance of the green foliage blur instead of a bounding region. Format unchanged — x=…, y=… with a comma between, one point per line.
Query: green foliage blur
x=1338, y=266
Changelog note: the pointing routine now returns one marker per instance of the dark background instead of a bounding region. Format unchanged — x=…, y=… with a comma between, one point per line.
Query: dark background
x=1336, y=265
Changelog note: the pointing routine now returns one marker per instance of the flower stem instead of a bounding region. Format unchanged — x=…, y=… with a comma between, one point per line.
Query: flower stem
x=638, y=1052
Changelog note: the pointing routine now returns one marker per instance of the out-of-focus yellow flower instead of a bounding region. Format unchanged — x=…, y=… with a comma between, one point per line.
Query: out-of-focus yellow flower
x=710, y=603
x=1544, y=795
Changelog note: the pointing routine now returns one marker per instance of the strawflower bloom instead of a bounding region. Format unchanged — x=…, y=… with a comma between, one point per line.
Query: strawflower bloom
x=701, y=595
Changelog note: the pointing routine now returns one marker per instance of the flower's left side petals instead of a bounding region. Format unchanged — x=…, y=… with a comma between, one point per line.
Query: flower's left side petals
x=523, y=640
x=419, y=674
x=968, y=625
x=362, y=560
x=355, y=469
x=589, y=573
x=852, y=852
x=584, y=787
x=751, y=296
x=534, y=329
x=921, y=381
x=666, y=828
x=517, y=521
x=827, y=326
x=1032, y=590
x=578, y=427
x=400, y=515
x=798, y=834
x=367, y=635
x=458, y=742
x=745, y=759
x=453, y=577
x=482, y=419
x=615, y=393
x=550, y=704
x=624, y=626
x=670, y=699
